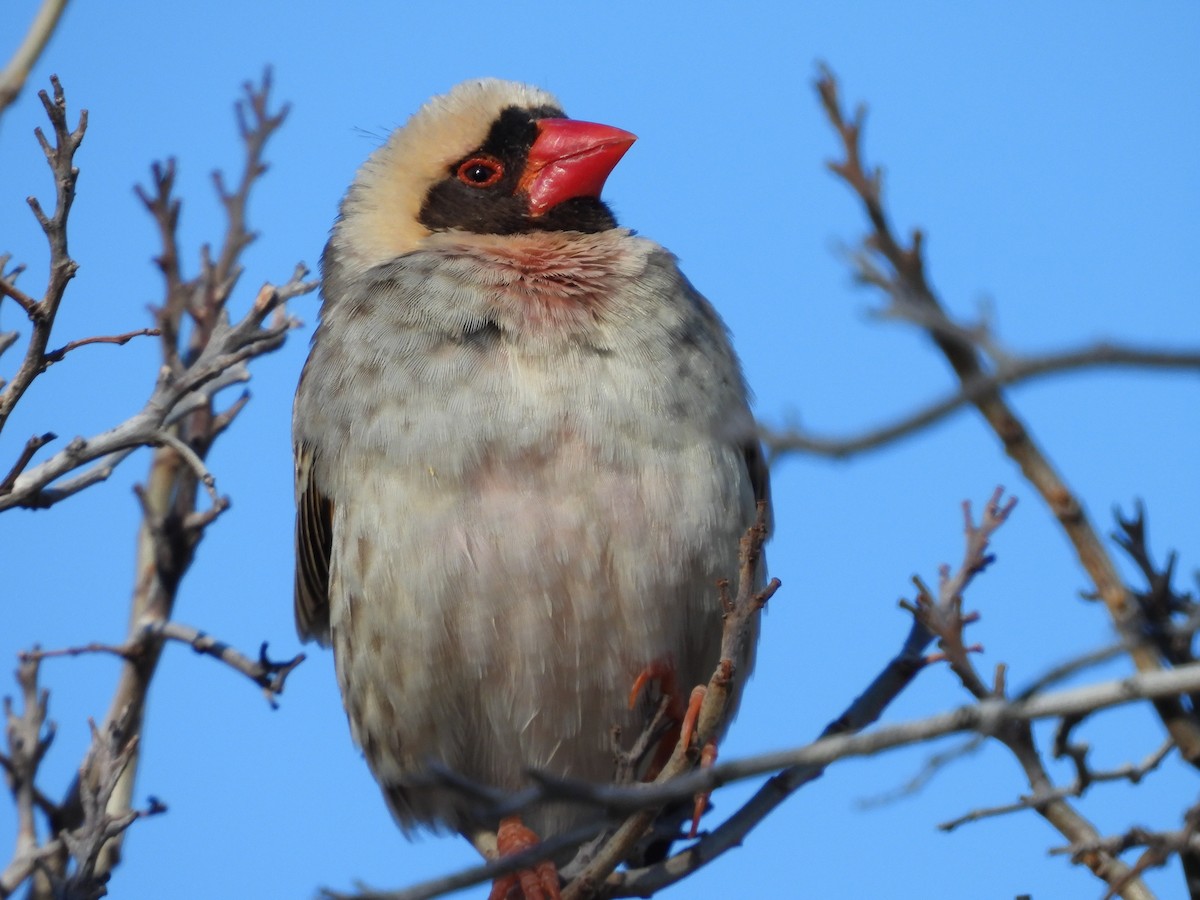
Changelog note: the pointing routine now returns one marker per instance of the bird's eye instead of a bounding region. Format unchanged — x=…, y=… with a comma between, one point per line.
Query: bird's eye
x=480, y=171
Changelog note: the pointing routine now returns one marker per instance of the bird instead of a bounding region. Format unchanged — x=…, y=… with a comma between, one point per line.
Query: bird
x=524, y=458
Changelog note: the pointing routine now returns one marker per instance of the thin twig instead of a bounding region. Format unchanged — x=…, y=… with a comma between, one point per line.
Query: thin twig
x=12, y=79
x=783, y=441
x=60, y=156
x=54, y=356
x=7, y=339
x=986, y=717
x=107, y=761
x=1160, y=846
x=230, y=347
x=268, y=674
x=28, y=735
x=936, y=762
x=1131, y=772
x=456, y=881
x=192, y=458
x=31, y=447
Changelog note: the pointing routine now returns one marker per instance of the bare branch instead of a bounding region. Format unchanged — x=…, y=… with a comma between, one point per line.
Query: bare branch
x=937, y=761
x=120, y=339
x=781, y=442
x=229, y=347
x=31, y=447
x=12, y=79
x=8, y=288
x=1131, y=772
x=195, y=359
x=203, y=351
x=7, y=339
x=1168, y=618
x=60, y=156
x=67, y=486
x=488, y=871
x=986, y=717
x=28, y=737
x=268, y=674
x=108, y=759
x=165, y=439
x=1160, y=846
x=256, y=124
x=899, y=270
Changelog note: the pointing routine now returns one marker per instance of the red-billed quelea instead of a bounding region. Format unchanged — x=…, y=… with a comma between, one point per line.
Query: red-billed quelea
x=524, y=457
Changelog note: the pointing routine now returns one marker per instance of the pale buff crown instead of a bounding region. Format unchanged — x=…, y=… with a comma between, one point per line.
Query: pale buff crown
x=379, y=213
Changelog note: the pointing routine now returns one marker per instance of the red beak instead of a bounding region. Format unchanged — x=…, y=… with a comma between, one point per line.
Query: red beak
x=571, y=159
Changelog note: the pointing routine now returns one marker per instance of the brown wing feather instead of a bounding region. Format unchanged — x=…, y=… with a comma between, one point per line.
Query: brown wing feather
x=760, y=475
x=314, y=542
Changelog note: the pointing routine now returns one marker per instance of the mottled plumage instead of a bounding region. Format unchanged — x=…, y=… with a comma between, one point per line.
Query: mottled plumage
x=523, y=461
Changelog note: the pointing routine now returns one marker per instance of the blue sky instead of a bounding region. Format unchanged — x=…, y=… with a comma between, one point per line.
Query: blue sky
x=1050, y=151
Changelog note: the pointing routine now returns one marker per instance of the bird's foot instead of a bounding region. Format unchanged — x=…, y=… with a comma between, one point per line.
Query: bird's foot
x=537, y=883
x=708, y=754
x=687, y=725
x=662, y=671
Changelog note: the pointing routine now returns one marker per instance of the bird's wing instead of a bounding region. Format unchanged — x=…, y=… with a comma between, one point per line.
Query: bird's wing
x=760, y=474
x=314, y=541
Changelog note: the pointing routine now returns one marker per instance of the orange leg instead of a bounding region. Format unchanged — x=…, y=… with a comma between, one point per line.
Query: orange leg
x=663, y=671
x=538, y=883
x=688, y=724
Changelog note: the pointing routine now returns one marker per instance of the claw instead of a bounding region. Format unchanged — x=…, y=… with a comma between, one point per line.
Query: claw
x=662, y=671
x=538, y=883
